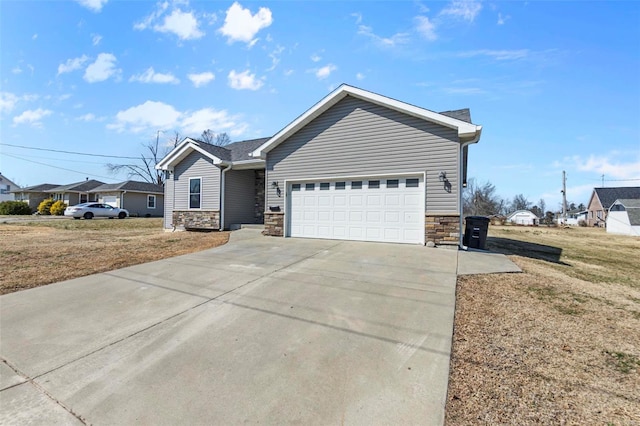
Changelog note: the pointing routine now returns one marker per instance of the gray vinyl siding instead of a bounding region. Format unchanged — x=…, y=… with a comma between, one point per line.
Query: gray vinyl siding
x=168, y=200
x=239, y=197
x=195, y=165
x=355, y=137
x=136, y=204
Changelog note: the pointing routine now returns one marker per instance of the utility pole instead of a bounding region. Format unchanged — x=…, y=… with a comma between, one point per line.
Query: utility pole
x=564, y=197
x=603, y=180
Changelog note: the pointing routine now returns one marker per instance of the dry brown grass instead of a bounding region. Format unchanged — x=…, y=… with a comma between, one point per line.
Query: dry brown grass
x=557, y=344
x=42, y=252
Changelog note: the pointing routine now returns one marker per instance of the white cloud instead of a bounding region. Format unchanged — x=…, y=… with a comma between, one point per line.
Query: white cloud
x=275, y=57
x=150, y=76
x=394, y=40
x=103, y=68
x=32, y=117
x=201, y=79
x=358, y=17
x=316, y=58
x=148, y=21
x=16, y=70
x=64, y=97
x=426, y=28
x=96, y=39
x=35, y=36
x=182, y=24
x=605, y=165
x=241, y=25
x=244, y=80
x=72, y=64
x=157, y=115
x=287, y=73
x=93, y=5
x=502, y=19
x=87, y=117
x=463, y=9
x=360, y=76
x=7, y=101
x=325, y=71
x=464, y=90
x=209, y=118
x=499, y=55
x=149, y=115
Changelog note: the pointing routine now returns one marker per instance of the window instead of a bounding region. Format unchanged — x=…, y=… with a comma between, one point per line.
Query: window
x=83, y=198
x=340, y=185
x=324, y=186
x=4, y=189
x=151, y=201
x=374, y=184
x=195, y=193
x=392, y=183
x=295, y=187
x=599, y=214
x=309, y=186
x=413, y=183
x=356, y=184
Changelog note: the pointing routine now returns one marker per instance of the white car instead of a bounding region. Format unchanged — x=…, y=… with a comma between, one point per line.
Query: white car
x=91, y=210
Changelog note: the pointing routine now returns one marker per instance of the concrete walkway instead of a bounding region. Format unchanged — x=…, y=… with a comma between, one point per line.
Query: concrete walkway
x=261, y=330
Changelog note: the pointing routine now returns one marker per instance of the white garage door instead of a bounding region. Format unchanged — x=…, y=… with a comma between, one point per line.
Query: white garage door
x=112, y=200
x=376, y=209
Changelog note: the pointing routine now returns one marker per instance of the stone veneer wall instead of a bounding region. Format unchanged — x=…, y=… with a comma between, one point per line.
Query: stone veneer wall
x=274, y=224
x=442, y=229
x=258, y=211
x=196, y=219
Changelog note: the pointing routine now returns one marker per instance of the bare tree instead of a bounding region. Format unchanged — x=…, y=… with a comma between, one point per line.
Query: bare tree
x=145, y=169
x=219, y=139
x=481, y=199
x=208, y=137
x=520, y=202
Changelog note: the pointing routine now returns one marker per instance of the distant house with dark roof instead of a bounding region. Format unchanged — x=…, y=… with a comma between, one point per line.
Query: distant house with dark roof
x=139, y=198
x=7, y=189
x=75, y=193
x=624, y=217
x=602, y=199
x=34, y=195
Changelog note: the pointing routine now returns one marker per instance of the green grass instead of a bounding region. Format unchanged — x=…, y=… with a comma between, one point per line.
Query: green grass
x=623, y=362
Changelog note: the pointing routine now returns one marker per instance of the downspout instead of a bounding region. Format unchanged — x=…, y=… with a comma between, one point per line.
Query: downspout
x=222, y=191
x=475, y=139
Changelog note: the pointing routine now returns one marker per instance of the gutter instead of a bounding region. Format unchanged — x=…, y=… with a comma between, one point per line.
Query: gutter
x=475, y=139
x=222, y=194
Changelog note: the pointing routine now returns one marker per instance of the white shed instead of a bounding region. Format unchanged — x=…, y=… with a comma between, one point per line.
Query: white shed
x=624, y=217
x=523, y=217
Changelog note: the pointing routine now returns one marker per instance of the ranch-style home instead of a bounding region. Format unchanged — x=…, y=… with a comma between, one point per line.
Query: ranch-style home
x=355, y=166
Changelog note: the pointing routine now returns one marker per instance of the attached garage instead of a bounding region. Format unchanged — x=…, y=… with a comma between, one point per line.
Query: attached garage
x=384, y=209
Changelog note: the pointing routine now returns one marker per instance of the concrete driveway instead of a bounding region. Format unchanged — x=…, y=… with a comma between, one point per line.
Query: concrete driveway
x=261, y=330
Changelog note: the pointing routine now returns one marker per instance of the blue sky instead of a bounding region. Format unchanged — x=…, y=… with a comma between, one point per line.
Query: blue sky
x=556, y=85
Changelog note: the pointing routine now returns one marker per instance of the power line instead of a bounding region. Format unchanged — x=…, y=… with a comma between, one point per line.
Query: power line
x=57, y=159
x=69, y=152
x=61, y=168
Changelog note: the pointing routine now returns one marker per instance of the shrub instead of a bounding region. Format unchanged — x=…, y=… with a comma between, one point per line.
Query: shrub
x=45, y=206
x=57, y=208
x=14, y=207
x=582, y=223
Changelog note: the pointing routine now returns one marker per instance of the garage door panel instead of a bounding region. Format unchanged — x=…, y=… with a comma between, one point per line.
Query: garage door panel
x=388, y=211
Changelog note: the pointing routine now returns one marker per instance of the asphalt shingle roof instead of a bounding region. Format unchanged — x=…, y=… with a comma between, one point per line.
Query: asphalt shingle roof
x=83, y=186
x=608, y=196
x=38, y=188
x=459, y=114
x=237, y=151
x=130, y=185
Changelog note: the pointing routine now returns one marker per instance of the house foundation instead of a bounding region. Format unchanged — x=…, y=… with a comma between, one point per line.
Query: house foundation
x=189, y=219
x=442, y=229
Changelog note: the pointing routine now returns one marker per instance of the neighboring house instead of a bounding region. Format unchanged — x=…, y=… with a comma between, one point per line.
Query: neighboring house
x=602, y=198
x=523, y=217
x=7, y=189
x=573, y=217
x=624, y=217
x=34, y=195
x=75, y=193
x=139, y=198
x=356, y=166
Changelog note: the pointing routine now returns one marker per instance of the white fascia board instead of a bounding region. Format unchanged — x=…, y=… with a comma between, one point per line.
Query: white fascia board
x=181, y=151
x=464, y=129
x=248, y=164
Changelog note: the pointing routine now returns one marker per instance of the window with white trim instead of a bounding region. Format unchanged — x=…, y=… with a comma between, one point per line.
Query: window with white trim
x=195, y=193
x=151, y=201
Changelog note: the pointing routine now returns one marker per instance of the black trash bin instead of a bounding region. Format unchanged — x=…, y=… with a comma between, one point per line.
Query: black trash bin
x=475, y=232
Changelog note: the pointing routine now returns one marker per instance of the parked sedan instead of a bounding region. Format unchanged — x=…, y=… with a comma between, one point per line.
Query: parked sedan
x=91, y=210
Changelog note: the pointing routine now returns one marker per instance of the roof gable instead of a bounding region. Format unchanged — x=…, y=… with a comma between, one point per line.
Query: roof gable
x=451, y=119
x=131, y=186
x=82, y=186
x=37, y=188
x=234, y=152
x=608, y=196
